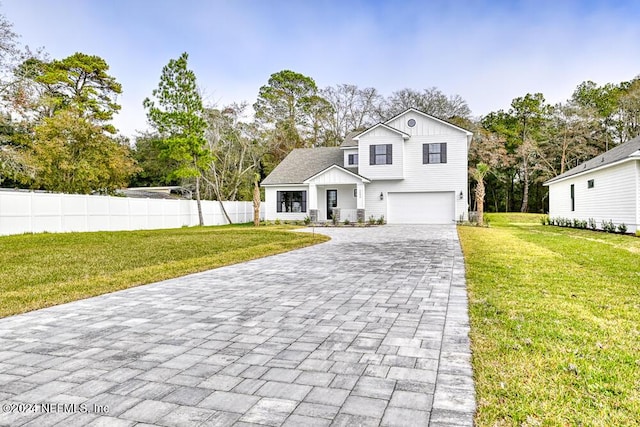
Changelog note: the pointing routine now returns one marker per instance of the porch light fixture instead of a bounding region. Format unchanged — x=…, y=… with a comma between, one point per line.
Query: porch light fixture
x=460, y=196
x=381, y=196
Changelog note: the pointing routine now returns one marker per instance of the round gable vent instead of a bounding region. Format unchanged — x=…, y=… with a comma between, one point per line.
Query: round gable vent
x=411, y=123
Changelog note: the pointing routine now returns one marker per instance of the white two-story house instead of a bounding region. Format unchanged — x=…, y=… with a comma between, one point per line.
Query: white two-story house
x=411, y=169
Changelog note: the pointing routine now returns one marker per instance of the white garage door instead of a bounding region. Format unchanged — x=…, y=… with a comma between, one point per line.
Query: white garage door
x=421, y=208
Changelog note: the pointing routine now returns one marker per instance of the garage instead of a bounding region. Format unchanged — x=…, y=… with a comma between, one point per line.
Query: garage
x=421, y=208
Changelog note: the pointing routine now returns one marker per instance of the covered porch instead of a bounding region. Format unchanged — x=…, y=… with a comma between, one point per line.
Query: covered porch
x=337, y=192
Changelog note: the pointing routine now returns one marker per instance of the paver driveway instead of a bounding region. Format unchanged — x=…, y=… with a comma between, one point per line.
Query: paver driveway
x=368, y=329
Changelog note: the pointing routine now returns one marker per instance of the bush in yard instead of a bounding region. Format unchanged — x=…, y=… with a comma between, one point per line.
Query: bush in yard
x=307, y=220
x=608, y=226
x=544, y=220
x=372, y=220
x=380, y=220
x=622, y=228
x=592, y=224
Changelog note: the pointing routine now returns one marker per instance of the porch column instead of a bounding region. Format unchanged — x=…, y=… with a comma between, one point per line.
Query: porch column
x=312, y=202
x=360, y=199
x=360, y=202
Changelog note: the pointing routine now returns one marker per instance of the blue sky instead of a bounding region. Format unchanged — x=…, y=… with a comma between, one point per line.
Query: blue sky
x=488, y=52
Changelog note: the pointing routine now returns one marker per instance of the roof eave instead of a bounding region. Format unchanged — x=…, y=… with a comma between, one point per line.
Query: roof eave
x=599, y=168
x=289, y=184
x=444, y=122
x=355, y=175
x=404, y=135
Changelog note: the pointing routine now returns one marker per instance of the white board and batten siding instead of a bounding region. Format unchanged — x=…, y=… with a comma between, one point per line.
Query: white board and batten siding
x=334, y=175
x=381, y=136
x=423, y=126
x=614, y=196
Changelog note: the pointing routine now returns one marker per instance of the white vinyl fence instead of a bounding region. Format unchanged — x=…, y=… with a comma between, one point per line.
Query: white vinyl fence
x=29, y=212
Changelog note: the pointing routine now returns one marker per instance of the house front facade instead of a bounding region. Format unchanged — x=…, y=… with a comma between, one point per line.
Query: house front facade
x=605, y=188
x=411, y=169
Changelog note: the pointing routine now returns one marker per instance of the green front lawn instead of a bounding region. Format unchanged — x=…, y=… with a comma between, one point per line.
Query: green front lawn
x=555, y=323
x=41, y=270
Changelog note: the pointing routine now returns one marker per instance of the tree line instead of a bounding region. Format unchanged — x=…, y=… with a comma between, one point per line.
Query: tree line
x=56, y=130
x=533, y=141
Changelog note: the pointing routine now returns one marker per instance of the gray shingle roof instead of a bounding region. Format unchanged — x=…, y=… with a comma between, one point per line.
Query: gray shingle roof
x=348, y=140
x=303, y=163
x=616, y=154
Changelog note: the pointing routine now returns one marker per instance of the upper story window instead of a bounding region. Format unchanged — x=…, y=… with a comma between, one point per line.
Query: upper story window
x=434, y=153
x=352, y=159
x=381, y=154
x=291, y=201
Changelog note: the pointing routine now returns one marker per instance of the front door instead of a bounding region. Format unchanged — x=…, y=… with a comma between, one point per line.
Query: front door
x=332, y=202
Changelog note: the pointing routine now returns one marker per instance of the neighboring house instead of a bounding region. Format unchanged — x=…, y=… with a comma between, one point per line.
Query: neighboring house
x=168, y=192
x=604, y=188
x=411, y=169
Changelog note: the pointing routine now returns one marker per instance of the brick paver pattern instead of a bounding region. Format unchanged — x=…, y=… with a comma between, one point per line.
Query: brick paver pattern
x=368, y=329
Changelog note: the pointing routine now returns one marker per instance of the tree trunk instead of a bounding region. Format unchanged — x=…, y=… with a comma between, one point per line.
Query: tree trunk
x=525, y=194
x=480, y=201
x=224, y=211
x=198, y=201
x=256, y=203
x=511, y=194
x=216, y=192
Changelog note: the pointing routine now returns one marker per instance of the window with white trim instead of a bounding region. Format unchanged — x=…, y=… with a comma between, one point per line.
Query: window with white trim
x=352, y=159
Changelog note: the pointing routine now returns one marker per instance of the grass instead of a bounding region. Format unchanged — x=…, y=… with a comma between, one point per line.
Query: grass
x=555, y=323
x=41, y=270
